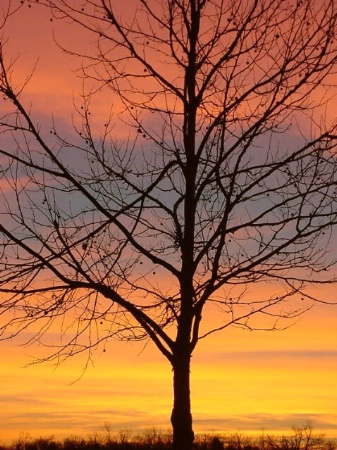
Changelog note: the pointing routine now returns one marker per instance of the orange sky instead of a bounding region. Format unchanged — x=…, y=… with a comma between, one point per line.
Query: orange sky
x=241, y=381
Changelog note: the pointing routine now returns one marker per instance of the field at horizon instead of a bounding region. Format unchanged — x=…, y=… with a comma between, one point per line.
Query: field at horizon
x=302, y=437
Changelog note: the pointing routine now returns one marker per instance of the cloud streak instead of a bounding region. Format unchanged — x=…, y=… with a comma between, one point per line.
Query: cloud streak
x=269, y=423
x=279, y=354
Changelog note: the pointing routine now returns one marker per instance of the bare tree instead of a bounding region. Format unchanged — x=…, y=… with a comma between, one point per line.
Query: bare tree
x=227, y=179
x=7, y=9
x=303, y=438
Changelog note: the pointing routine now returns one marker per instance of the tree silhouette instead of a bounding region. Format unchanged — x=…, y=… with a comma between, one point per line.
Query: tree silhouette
x=227, y=179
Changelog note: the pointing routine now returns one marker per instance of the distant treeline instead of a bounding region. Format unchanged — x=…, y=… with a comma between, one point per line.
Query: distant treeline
x=301, y=438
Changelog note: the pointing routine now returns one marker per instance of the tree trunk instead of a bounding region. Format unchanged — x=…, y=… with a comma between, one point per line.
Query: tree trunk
x=181, y=418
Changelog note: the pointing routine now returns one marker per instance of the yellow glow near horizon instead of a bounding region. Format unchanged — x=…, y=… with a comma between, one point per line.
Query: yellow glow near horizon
x=241, y=381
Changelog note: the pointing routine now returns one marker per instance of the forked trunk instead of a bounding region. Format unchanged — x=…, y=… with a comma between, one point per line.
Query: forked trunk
x=181, y=418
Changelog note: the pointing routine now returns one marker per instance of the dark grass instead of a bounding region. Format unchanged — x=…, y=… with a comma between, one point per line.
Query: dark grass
x=301, y=438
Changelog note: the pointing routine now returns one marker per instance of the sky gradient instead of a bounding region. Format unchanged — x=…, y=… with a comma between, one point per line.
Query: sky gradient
x=241, y=381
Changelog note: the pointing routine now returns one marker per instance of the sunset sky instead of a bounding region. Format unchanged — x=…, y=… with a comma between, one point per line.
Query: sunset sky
x=241, y=381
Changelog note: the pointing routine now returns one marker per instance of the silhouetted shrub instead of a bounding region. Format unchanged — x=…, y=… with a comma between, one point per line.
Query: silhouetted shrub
x=302, y=438
x=73, y=443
